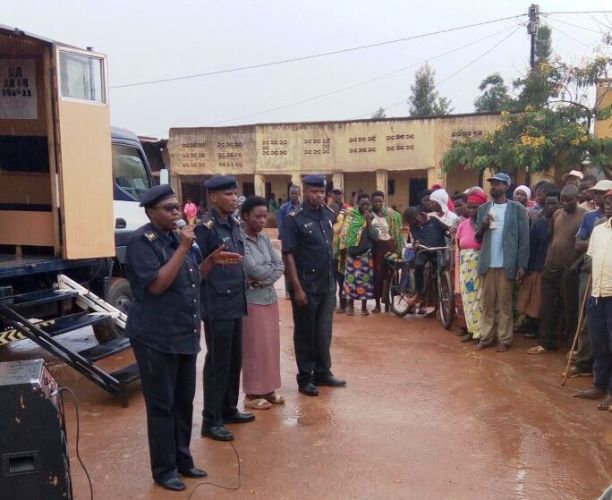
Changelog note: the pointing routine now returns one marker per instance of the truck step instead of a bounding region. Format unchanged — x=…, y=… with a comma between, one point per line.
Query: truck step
x=73, y=322
x=127, y=374
x=105, y=350
x=37, y=297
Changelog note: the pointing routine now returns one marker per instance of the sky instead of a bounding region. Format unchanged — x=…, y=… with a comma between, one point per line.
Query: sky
x=154, y=39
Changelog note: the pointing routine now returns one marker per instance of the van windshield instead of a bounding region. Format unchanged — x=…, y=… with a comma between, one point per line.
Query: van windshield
x=130, y=171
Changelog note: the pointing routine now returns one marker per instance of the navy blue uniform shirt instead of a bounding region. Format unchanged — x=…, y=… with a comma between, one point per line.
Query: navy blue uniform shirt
x=224, y=289
x=168, y=322
x=308, y=236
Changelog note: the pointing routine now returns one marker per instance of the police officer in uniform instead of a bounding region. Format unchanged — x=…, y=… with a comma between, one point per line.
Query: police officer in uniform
x=309, y=268
x=164, y=328
x=223, y=293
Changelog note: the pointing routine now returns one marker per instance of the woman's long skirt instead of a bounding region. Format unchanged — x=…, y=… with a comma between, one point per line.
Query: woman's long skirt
x=470, y=290
x=381, y=270
x=261, y=350
x=359, y=277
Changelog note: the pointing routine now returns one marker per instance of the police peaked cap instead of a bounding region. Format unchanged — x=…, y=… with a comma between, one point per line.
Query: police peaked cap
x=220, y=182
x=155, y=194
x=314, y=180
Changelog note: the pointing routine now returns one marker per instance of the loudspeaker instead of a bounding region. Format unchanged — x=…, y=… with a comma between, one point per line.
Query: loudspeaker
x=34, y=459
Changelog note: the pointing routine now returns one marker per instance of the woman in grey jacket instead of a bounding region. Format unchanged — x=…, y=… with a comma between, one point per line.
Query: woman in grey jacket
x=261, y=330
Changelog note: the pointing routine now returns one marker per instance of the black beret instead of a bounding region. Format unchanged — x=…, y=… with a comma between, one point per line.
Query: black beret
x=314, y=180
x=219, y=182
x=155, y=194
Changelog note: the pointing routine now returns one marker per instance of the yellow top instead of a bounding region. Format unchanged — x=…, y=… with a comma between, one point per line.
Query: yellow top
x=600, y=251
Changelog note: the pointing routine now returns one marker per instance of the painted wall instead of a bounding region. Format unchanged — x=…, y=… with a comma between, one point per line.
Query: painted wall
x=393, y=145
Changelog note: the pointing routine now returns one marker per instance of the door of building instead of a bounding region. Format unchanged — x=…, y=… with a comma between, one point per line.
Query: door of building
x=415, y=188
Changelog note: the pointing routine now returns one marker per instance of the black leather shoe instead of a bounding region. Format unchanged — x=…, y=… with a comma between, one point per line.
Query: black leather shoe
x=193, y=472
x=239, y=418
x=217, y=432
x=331, y=381
x=309, y=389
x=173, y=484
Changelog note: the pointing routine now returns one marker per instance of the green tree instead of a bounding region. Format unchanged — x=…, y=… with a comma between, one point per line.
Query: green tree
x=494, y=97
x=424, y=99
x=543, y=45
x=542, y=82
x=549, y=126
x=379, y=113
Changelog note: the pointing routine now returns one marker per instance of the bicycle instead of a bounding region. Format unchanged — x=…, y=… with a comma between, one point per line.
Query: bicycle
x=401, y=291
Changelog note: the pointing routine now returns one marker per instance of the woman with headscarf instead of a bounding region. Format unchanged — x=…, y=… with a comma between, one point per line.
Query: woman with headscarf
x=522, y=194
x=355, y=244
x=469, y=253
x=450, y=204
x=439, y=200
x=387, y=224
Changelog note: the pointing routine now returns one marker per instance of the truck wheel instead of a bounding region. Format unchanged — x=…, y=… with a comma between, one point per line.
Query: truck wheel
x=119, y=296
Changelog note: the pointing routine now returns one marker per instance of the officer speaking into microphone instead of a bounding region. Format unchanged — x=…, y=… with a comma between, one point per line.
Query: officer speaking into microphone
x=164, y=329
x=223, y=298
x=309, y=269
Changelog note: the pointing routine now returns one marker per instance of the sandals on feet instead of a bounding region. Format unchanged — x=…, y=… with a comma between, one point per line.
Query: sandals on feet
x=257, y=403
x=275, y=399
x=537, y=350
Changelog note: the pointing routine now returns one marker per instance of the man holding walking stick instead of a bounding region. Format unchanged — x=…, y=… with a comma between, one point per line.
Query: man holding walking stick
x=599, y=310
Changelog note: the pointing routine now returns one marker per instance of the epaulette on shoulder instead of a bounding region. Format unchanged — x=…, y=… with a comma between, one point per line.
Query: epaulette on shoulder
x=294, y=212
x=235, y=219
x=150, y=235
x=208, y=222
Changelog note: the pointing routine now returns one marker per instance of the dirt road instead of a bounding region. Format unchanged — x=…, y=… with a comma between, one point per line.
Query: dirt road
x=423, y=416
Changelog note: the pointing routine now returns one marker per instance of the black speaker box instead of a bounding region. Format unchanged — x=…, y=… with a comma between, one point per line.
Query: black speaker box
x=34, y=461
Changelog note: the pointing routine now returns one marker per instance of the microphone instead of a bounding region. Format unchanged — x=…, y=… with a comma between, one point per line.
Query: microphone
x=180, y=224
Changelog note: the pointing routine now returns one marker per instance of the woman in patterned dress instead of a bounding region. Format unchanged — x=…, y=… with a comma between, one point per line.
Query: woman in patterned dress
x=469, y=253
x=355, y=243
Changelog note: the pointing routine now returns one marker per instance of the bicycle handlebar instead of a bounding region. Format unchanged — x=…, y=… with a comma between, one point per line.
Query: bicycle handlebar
x=423, y=248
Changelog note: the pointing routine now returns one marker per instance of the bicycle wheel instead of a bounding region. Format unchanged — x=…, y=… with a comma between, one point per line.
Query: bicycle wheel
x=446, y=299
x=399, y=296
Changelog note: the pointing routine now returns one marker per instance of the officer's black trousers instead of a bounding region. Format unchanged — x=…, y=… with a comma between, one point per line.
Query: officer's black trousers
x=222, y=369
x=168, y=385
x=312, y=334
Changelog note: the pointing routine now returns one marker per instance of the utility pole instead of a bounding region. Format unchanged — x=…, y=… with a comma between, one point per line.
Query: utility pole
x=532, y=29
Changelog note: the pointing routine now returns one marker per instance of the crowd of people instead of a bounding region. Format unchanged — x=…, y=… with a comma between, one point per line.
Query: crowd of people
x=521, y=265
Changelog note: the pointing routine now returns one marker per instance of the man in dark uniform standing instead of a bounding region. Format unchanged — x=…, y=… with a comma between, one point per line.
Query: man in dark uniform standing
x=223, y=297
x=309, y=268
x=164, y=328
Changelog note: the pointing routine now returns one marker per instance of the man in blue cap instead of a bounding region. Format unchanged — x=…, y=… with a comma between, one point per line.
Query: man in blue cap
x=223, y=297
x=164, y=329
x=503, y=230
x=309, y=268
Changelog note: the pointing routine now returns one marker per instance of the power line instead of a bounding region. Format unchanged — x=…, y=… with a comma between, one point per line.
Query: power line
x=314, y=56
x=570, y=36
x=358, y=84
x=478, y=58
x=577, y=26
x=560, y=12
x=446, y=78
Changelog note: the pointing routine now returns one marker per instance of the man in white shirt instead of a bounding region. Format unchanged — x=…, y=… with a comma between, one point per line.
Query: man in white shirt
x=503, y=230
x=599, y=310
